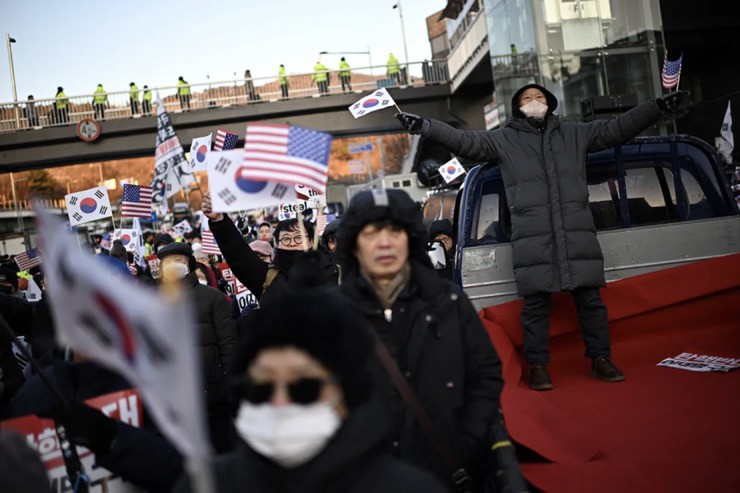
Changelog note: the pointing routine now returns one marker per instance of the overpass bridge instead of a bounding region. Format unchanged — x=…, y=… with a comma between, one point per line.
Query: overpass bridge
x=33, y=135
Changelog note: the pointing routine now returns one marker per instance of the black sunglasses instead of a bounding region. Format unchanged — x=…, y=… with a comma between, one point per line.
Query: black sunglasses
x=301, y=391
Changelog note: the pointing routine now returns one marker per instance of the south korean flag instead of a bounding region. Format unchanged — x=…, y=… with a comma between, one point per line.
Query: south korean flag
x=88, y=205
x=451, y=170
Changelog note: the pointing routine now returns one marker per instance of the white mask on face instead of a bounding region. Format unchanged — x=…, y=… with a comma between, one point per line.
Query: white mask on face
x=534, y=109
x=288, y=435
x=203, y=281
x=175, y=271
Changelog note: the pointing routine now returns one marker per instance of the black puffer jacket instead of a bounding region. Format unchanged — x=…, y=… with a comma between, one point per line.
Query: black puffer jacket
x=216, y=330
x=353, y=462
x=544, y=172
x=250, y=269
x=440, y=345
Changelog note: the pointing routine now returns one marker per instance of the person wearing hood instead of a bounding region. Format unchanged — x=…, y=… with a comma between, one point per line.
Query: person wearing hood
x=430, y=330
x=265, y=281
x=554, y=244
x=308, y=418
x=442, y=232
x=329, y=236
x=216, y=335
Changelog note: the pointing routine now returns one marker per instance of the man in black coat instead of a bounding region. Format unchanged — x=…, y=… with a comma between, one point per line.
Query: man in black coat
x=266, y=282
x=430, y=329
x=554, y=244
x=216, y=335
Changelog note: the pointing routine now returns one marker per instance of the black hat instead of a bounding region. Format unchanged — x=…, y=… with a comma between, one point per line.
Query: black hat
x=442, y=226
x=60, y=89
x=118, y=251
x=331, y=230
x=132, y=84
x=177, y=248
x=370, y=206
x=161, y=239
x=319, y=321
x=552, y=101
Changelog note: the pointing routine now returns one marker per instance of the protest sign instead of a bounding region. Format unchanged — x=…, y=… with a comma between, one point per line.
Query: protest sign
x=701, y=363
x=153, y=262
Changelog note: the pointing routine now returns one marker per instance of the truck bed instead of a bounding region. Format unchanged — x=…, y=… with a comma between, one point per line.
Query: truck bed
x=663, y=429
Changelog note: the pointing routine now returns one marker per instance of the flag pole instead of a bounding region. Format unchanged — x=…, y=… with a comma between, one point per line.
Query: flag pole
x=299, y=215
x=316, y=230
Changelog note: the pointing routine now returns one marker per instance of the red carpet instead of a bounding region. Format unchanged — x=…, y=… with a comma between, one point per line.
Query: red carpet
x=663, y=429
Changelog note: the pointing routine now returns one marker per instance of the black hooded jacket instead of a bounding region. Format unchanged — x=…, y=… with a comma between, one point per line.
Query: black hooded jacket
x=353, y=462
x=543, y=166
x=250, y=269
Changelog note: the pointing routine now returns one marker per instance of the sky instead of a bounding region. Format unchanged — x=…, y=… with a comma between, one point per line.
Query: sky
x=77, y=44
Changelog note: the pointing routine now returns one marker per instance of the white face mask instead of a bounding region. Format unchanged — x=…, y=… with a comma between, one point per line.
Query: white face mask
x=288, y=435
x=534, y=109
x=203, y=281
x=175, y=271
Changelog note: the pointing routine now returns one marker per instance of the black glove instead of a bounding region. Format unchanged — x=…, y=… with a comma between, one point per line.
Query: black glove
x=671, y=102
x=85, y=425
x=414, y=124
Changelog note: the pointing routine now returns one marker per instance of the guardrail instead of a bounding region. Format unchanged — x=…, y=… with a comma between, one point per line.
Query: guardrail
x=117, y=105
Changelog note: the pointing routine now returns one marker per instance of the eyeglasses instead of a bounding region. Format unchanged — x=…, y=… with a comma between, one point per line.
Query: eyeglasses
x=302, y=391
x=288, y=241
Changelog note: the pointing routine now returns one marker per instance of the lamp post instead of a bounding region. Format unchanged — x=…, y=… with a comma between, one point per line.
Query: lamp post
x=10, y=41
x=403, y=32
x=369, y=58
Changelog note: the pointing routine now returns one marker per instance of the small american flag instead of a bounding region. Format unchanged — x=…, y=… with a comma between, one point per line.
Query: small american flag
x=286, y=154
x=28, y=259
x=321, y=222
x=209, y=243
x=671, y=71
x=225, y=141
x=137, y=201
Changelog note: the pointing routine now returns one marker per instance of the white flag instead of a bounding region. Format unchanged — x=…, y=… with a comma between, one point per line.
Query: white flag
x=451, y=170
x=182, y=227
x=88, y=205
x=378, y=100
x=106, y=317
x=33, y=293
x=727, y=142
x=200, y=148
x=129, y=238
x=231, y=192
x=140, y=252
x=171, y=169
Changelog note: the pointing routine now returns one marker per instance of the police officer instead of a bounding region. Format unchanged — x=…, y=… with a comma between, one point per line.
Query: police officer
x=61, y=106
x=133, y=96
x=345, y=74
x=100, y=99
x=321, y=77
x=283, y=80
x=146, y=101
x=393, y=68
x=183, y=90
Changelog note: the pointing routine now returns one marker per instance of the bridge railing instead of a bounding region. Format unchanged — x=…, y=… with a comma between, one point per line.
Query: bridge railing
x=116, y=105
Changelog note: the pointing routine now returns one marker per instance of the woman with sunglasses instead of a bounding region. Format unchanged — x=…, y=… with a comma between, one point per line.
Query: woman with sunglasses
x=307, y=419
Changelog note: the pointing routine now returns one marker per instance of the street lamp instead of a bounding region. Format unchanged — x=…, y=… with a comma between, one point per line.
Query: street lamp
x=9, y=41
x=369, y=58
x=403, y=32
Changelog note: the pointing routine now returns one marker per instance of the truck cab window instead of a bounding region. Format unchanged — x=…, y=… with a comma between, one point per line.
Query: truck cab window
x=651, y=198
x=603, y=191
x=488, y=226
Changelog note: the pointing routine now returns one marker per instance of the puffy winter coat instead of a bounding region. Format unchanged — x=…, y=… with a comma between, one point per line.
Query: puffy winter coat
x=544, y=171
x=440, y=345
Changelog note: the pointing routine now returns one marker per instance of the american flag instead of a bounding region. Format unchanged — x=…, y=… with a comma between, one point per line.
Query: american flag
x=209, y=243
x=321, y=222
x=286, y=154
x=28, y=259
x=671, y=71
x=137, y=201
x=225, y=141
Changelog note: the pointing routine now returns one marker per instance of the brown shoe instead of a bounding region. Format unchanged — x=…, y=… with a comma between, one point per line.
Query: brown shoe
x=603, y=369
x=539, y=379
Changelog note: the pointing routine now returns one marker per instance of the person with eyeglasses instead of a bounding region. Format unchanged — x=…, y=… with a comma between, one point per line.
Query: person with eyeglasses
x=265, y=281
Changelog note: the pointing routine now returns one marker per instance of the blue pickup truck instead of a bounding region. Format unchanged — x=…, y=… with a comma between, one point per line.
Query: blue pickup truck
x=657, y=202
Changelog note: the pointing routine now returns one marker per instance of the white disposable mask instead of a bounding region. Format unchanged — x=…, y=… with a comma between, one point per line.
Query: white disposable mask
x=534, y=109
x=288, y=435
x=203, y=281
x=175, y=271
